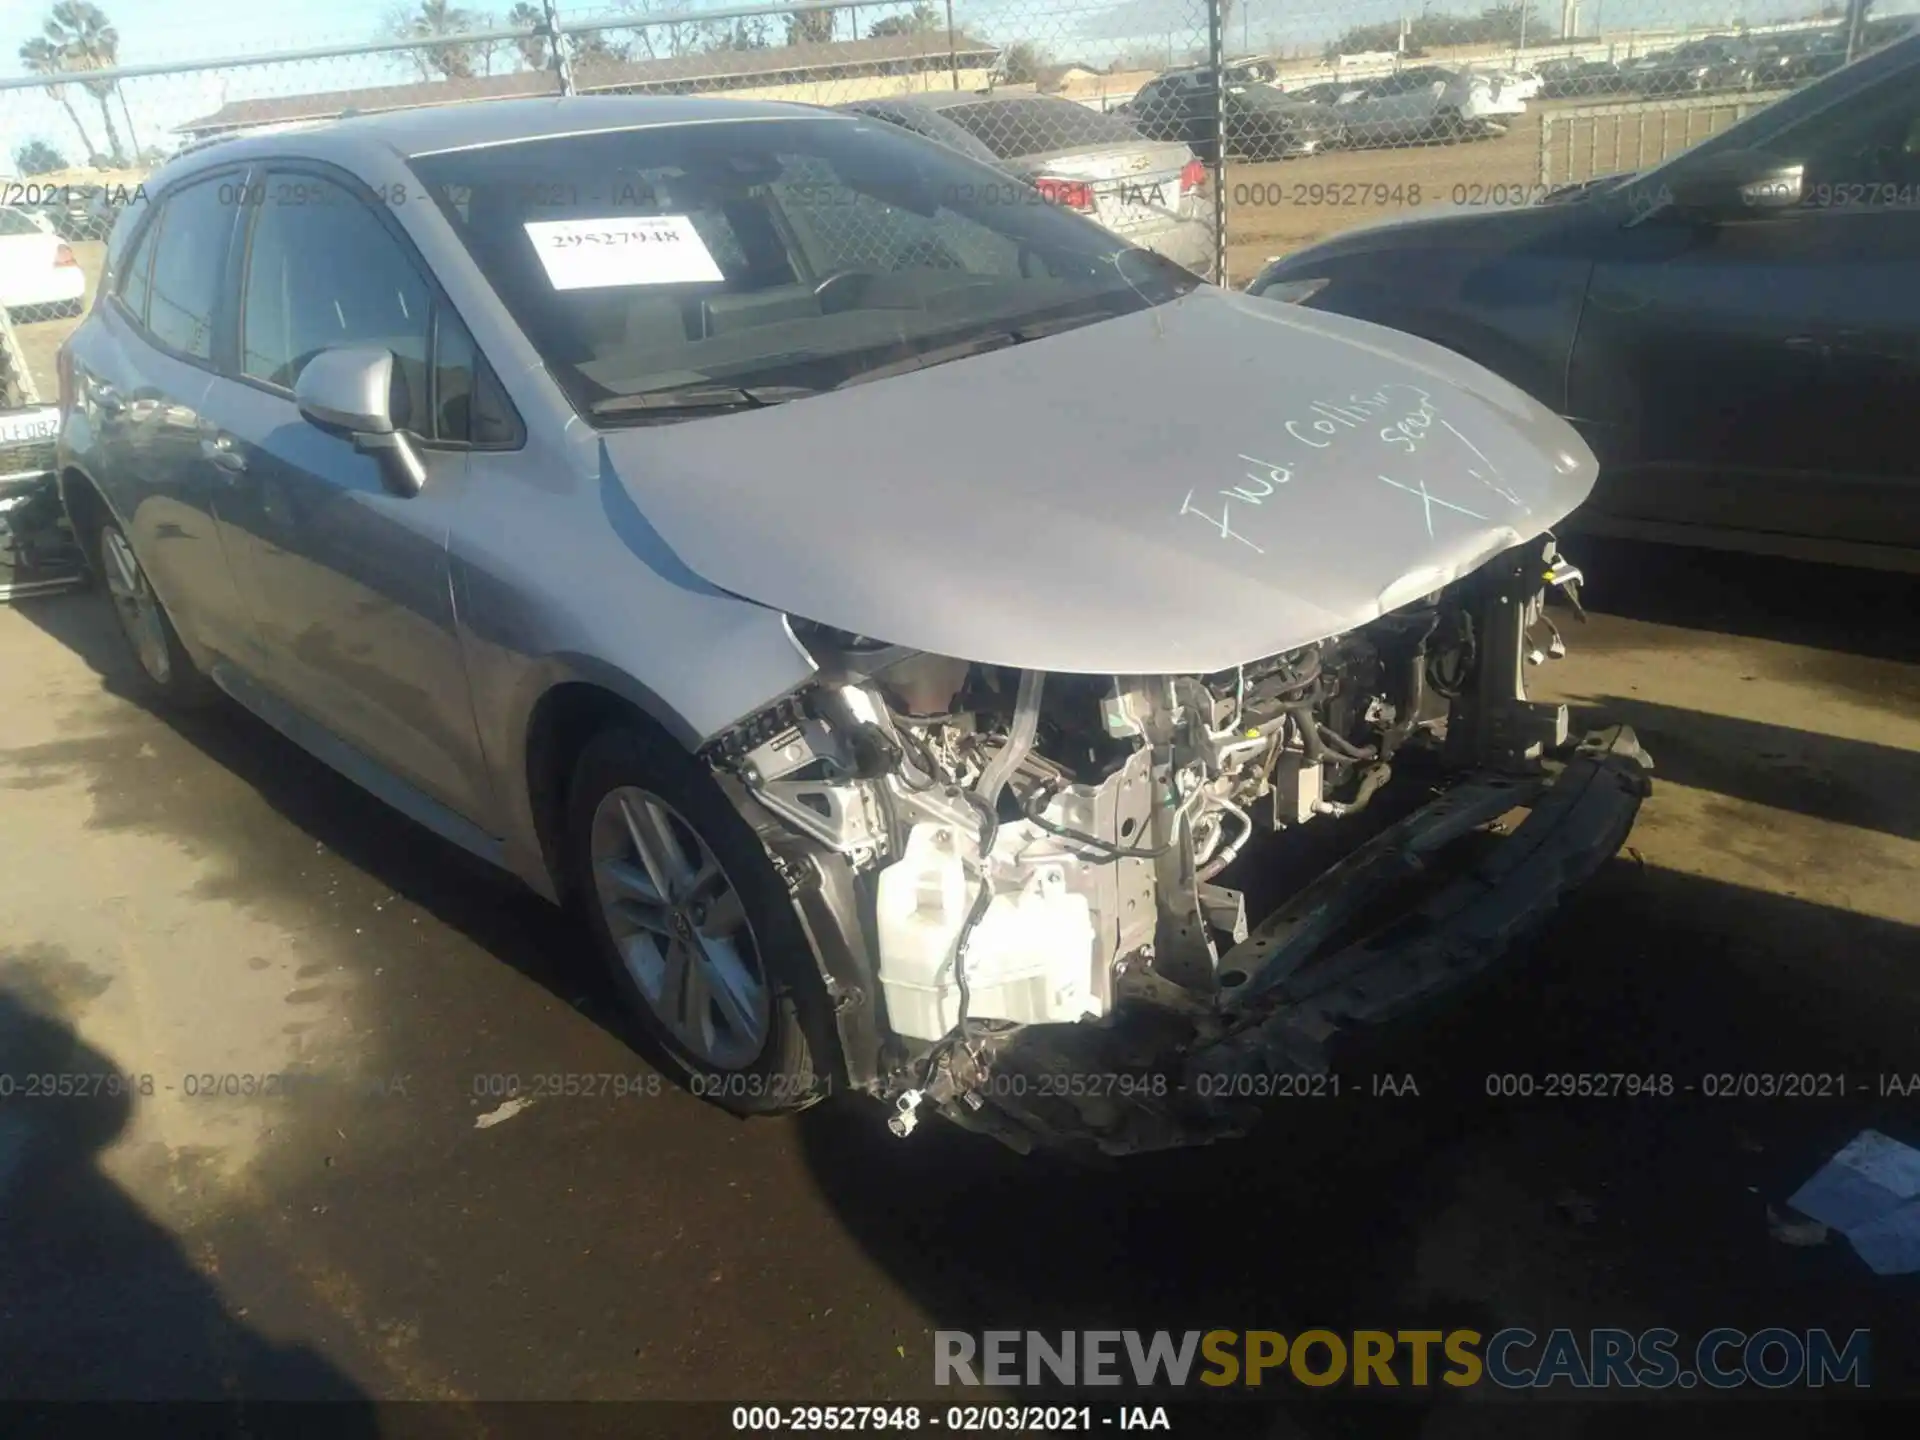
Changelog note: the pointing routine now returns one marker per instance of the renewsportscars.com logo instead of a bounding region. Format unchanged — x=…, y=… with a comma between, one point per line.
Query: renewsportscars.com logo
x=1512, y=1359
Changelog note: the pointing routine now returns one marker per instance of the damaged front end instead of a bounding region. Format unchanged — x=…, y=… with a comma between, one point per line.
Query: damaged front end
x=1014, y=882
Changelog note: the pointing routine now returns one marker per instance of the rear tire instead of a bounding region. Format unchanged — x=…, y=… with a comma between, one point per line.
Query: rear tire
x=163, y=670
x=696, y=927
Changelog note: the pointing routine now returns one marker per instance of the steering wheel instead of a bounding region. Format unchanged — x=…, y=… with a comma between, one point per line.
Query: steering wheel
x=841, y=288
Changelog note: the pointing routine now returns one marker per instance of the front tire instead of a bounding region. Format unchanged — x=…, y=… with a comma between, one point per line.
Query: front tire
x=165, y=671
x=695, y=926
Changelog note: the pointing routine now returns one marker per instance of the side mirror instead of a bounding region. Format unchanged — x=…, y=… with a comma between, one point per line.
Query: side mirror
x=1735, y=185
x=347, y=391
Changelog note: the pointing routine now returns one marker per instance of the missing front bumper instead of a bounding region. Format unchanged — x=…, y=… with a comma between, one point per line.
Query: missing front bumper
x=1412, y=915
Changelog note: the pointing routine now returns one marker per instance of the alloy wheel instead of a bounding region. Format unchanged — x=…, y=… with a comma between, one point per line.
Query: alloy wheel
x=136, y=605
x=681, y=929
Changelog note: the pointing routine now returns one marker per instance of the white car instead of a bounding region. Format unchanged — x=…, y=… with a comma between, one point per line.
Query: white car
x=1521, y=85
x=1428, y=102
x=38, y=272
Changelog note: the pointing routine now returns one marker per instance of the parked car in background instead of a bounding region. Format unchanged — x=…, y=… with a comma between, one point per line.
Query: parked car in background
x=1327, y=92
x=1798, y=56
x=1150, y=193
x=1168, y=106
x=834, y=597
x=1521, y=83
x=1736, y=331
x=1427, y=102
x=1261, y=122
x=924, y=120
x=39, y=277
x=69, y=210
x=1572, y=79
x=1717, y=63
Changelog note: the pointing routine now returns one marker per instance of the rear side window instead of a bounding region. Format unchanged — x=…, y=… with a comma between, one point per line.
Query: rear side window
x=12, y=222
x=133, y=275
x=324, y=271
x=1029, y=125
x=184, y=288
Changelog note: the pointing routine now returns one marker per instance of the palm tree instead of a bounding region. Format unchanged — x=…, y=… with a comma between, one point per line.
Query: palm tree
x=532, y=48
x=42, y=57
x=810, y=27
x=921, y=20
x=435, y=18
x=87, y=41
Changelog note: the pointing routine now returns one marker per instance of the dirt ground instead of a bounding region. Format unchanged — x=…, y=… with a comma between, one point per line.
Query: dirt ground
x=1277, y=207
x=186, y=898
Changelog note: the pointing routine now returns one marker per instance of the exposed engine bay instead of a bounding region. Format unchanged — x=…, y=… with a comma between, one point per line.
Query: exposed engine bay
x=1007, y=869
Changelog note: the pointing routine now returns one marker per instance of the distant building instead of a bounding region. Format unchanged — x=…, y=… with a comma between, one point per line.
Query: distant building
x=822, y=74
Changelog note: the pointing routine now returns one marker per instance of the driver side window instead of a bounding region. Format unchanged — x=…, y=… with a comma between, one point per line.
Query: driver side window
x=323, y=271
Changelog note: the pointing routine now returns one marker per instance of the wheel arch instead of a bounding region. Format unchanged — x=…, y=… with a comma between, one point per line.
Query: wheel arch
x=569, y=712
x=87, y=509
x=563, y=718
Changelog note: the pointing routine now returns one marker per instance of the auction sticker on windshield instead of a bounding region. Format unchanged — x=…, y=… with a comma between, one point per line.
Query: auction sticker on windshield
x=632, y=250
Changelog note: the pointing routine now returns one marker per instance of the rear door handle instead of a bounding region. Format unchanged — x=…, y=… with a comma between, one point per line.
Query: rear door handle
x=224, y=453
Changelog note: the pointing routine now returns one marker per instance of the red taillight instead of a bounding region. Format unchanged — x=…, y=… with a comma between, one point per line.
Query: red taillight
x=1192, y=177
x=1074, y=194
x=63, y=368
x=63, y=256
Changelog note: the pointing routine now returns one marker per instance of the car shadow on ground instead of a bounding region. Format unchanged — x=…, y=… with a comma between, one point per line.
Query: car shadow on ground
x=97, y=1300
x=1843, y=781
x=462, y=892
x=1453, y=1208
x=1831, y=607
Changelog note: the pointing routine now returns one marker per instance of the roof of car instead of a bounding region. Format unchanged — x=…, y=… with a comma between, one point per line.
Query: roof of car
x=436, y=129
x=954, y=99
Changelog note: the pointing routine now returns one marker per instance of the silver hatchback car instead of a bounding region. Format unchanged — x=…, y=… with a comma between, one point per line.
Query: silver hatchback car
x=893, y=618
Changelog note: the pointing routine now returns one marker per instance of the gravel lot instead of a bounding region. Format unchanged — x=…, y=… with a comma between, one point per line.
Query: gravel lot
x=196, y=897
x=1277, y=207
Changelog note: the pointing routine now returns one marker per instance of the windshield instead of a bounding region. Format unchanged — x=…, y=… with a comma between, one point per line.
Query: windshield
x=771, y=253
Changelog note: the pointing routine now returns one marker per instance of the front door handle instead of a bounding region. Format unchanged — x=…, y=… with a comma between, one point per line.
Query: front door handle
x=224, y=453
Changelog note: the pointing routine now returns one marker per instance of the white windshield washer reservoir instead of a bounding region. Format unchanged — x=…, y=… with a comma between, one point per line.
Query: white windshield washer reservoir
x=1030, y=959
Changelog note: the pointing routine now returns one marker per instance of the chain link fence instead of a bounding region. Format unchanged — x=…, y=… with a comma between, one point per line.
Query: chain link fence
x=1219, y=132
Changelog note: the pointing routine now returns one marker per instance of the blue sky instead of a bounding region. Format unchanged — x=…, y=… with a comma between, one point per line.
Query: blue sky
x=153, y=31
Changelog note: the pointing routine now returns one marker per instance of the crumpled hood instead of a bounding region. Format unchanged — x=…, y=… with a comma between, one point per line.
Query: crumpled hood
x=1176, y=491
